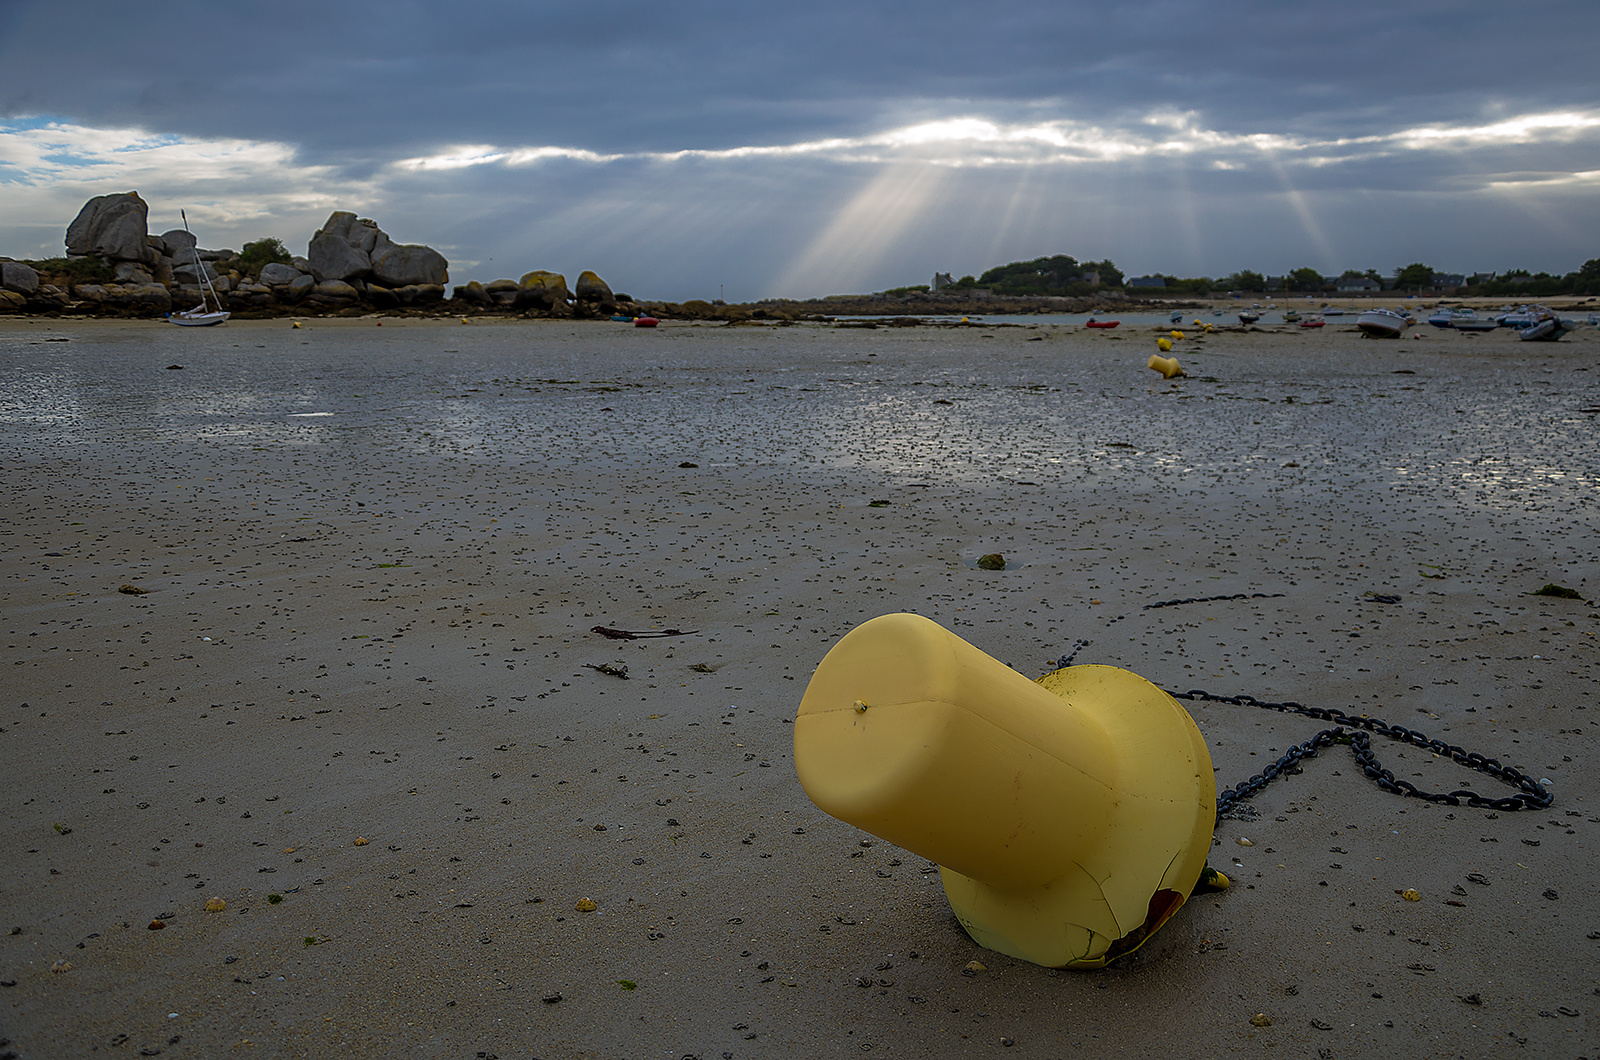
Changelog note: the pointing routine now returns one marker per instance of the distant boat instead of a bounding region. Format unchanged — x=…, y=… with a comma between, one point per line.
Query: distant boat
x=1382, y=323
x=1177, y=316
x=1101, y=323
x=202, y=315
x=1333, y=312
x=1313, y=322
x=645, y=322
x=1291, y=316
x=1249, y=316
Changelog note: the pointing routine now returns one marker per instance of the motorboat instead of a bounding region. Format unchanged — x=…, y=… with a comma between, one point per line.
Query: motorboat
x=1447, y=317
x=1313, y=322
x=210, y=310
x=1291, y=316
x=1177, y=316
x=1382, y=323
x=1249, y=316
x=1545, y=325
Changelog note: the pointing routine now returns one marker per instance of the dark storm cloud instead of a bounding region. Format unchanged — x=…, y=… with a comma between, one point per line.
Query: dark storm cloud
x=373, y=79
x=799, y=149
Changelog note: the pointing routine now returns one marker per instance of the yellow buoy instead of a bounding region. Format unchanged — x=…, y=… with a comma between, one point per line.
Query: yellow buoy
x=1164, y=345
x=1177, y=336
x=297, y=323
x=1167, y=366
x=1070, y=816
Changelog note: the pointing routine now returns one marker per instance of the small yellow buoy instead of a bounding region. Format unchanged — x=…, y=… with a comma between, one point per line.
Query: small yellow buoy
x=1411, y=894
x=1164, y=345
x=1176, y=335
x=296, y=324
x=215, y=905
x=1167, y=366
x=584, y=905
x=361, y=841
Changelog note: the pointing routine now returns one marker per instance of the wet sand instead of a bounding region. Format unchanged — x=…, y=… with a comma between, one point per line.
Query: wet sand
x=369, y=560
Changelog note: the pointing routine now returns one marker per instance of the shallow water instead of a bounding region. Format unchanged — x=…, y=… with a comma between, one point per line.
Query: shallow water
x=1479, y=425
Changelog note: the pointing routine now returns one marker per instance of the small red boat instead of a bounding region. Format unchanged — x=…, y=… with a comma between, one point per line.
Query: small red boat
x=1311, y=323
x=645, y=322
x=1102, y=323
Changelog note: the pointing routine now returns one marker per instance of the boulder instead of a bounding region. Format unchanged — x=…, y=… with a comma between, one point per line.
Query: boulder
x=275, y=275
x=400, y=265
x=301, y=264
x=152, y=296
x=49, y=296
x=112, y=226
x=11, y=301
x=473, y=292
x=188, y=272
x=382, y=298
x=334, y=293
x=501, y=292
x=179, y=245
x=18, y=278
x=423, y=293
x=591, y=288
x=89, y=292
x=133, y=272
x=332, y=257
x=299, y=288
x=541, y=289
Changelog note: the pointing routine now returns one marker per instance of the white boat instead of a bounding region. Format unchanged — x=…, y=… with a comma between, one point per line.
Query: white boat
x=1382, y=323
x=202, y=315
x=1249, y=316
x=1446, y=317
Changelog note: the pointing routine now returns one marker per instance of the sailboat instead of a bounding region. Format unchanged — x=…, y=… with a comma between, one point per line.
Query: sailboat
x=203, y=314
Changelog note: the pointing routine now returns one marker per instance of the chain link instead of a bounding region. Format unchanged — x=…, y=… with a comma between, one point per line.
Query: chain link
x=1530, y=794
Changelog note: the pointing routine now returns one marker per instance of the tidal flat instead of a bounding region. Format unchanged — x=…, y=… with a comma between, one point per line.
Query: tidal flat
x=302, y=619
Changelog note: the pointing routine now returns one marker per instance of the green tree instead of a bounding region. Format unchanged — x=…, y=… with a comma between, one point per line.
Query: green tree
x=1244, y=280
x=1306, y=279
x=1414, y=277
x=263, y=252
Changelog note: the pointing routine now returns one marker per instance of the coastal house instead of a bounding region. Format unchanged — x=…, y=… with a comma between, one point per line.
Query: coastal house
x=1359, y=284
x=1447, y=281
x=941, y=280
x=1147, y=281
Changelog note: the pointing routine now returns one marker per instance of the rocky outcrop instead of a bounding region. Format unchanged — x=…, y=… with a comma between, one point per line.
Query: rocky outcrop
x=18, y=278
x=351, y=266
x=542, y=291
x=350, y=248
x=591, y=288
x=404, y=265
x=114, y=227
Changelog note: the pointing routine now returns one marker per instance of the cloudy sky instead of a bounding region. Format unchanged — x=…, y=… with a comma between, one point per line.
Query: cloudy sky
x=798, y=149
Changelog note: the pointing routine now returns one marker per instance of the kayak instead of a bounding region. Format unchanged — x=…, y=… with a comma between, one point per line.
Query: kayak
x=1102, y=323
x=645, y=322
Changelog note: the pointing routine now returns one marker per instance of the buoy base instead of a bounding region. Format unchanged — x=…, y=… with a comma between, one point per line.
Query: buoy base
x=1154, y=853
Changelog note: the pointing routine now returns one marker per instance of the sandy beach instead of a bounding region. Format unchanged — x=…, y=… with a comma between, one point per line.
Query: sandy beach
x=301, y=619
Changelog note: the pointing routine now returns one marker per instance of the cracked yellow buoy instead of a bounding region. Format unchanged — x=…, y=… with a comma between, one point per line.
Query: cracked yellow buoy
x=1177, y=336
x=1167, y=366
x=1071, y=816
x=1164, y=345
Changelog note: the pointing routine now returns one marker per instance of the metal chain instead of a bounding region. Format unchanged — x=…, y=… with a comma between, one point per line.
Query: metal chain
x=1530, y=794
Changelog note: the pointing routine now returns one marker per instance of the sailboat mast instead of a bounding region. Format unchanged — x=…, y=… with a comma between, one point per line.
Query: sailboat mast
x=207, y=294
